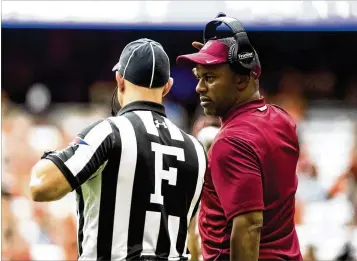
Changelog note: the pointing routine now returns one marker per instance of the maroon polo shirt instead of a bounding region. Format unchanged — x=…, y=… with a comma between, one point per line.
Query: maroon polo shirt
x=252, y=166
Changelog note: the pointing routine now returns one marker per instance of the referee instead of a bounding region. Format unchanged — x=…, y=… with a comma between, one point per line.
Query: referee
x=138, y=178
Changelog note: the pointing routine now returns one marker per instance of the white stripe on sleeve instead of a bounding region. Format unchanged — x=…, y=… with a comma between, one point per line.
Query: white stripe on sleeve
x=84, y=153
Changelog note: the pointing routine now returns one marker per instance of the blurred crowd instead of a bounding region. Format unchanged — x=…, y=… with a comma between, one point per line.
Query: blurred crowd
x=34, y=231
x=55, y=82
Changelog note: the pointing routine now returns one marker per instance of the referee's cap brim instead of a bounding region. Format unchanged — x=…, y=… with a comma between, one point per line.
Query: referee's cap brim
x=116, y=67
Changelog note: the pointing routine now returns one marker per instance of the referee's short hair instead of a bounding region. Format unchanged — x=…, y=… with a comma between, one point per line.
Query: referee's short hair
x=145, y=63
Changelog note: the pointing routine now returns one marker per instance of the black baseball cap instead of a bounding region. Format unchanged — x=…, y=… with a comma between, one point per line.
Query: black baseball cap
x=144, y=62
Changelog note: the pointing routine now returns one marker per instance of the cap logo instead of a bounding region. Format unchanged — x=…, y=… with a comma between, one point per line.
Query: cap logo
x=244, y=56
x=210, y=61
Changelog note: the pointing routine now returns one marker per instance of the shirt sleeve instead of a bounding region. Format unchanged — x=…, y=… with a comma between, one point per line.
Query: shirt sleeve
x=86, y=154
x=236, y=176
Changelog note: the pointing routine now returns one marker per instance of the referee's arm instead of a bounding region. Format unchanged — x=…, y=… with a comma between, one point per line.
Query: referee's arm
x=47, y=182
x=60, y=172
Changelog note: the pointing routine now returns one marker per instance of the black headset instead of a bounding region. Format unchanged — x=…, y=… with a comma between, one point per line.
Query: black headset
x=241, y=54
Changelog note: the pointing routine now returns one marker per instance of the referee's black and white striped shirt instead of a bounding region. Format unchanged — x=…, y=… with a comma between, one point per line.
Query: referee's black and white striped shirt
x=138, y=180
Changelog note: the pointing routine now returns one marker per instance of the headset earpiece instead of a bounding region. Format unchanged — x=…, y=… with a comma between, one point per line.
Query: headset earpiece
x=233, y=51
x=242, y=52
x=231, y=54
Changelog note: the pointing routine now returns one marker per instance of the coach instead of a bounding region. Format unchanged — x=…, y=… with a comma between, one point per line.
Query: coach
x=248, y=200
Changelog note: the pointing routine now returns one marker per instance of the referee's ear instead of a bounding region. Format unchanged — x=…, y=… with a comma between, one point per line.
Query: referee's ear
x=168, y=86
x=120, y=81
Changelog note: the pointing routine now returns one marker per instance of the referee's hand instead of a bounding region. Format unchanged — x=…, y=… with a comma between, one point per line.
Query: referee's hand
x=197, y=45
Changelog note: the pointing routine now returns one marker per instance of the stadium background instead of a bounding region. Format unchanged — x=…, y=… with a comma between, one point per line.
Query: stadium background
x=57, y=78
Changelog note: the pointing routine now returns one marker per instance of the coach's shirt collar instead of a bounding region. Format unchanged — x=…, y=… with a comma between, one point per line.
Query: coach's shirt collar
x=235, y=111
x=143, y=106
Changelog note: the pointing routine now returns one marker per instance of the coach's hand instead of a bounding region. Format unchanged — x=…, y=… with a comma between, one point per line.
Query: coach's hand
x=197, y=45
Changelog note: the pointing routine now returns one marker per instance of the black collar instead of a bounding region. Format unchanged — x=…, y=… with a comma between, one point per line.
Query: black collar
x=143, y=106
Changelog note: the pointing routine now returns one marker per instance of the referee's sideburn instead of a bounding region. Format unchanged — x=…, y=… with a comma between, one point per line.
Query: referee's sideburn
x=137, y=177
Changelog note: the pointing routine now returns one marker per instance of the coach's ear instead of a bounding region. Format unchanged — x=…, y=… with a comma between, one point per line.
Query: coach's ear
x=168, y=86
x=241, y=82
x=120, y=81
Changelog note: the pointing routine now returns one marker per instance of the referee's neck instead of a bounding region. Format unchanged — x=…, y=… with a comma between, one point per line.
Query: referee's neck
x=142, y=94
